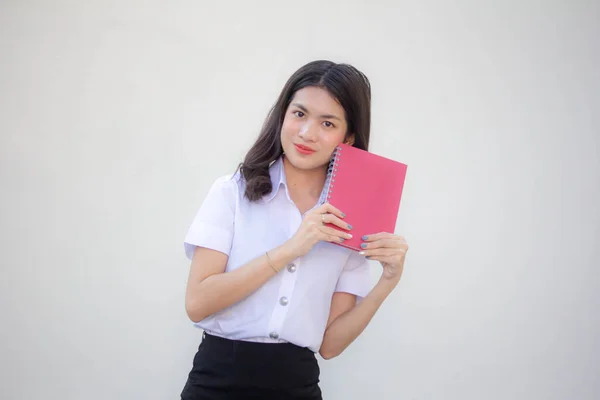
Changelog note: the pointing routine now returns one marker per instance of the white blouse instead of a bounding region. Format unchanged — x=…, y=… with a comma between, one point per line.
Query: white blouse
x=294, y=305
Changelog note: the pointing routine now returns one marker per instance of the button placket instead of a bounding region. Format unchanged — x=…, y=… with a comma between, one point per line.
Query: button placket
x=288, y=281
x=284, y=298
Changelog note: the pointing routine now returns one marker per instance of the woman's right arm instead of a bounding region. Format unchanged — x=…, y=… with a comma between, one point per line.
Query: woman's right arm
x=210, y=289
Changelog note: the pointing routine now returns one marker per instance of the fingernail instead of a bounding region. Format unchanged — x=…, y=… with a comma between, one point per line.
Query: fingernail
x=343, y=215
x=349, y=236
x=349, y=226
x=365, y=237
x=342, y=239
x=364, y=245
x=368, y=257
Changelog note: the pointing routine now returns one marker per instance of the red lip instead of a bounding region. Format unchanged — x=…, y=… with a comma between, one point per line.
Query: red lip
x=304, y=149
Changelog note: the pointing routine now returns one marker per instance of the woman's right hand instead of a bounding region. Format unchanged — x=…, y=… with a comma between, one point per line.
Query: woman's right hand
x=313, y=229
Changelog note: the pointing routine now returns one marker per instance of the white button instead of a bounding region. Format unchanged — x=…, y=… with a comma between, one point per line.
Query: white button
x=292, y=267
x=283, y=301
x=274, y=335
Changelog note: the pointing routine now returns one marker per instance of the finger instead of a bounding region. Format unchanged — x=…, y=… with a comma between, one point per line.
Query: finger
x=333, y=238
x=391, y=243
x=383, y=235
x=376, y=236
x=395, y=249
x=383, y=259
x=332, y=219
x=335, y=232
x=388, y=261
x=328, y=208
x=383, y=252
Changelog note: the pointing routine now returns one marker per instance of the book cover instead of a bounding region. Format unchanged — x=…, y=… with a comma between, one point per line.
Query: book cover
x=367, y=188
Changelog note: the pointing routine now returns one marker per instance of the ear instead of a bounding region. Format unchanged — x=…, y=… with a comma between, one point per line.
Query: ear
x=349, y=140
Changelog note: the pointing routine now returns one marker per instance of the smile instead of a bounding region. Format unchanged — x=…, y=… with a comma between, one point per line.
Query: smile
x=303, y=149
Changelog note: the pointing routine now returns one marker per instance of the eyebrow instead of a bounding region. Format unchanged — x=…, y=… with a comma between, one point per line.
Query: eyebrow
x=326, y=116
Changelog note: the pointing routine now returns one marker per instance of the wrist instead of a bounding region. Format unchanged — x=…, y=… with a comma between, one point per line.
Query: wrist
x=381, y=291
x=388, y=283
x=280, y=257
x=288, y=251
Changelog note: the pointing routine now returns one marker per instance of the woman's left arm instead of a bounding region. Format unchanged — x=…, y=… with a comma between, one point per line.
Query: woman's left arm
x=347, y=319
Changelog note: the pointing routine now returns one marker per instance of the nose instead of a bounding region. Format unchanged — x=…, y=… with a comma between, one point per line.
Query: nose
x=307, y=133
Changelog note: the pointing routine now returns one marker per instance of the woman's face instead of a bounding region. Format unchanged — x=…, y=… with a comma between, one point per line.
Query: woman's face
x=314, y=124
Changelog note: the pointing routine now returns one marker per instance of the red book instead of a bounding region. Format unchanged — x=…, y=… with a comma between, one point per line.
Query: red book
x=367, y=188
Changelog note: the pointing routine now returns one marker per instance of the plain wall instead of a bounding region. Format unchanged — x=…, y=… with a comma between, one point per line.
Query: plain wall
x=115, y=117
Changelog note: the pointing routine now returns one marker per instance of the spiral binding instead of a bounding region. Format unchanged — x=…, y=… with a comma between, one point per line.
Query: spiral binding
x=330, y=179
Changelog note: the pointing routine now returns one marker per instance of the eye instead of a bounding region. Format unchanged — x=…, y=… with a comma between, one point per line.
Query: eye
x=299, y=114
x=328, y=124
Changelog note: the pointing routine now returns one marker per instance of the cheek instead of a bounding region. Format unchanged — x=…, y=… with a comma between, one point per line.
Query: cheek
x=288, y=128
x=332, y=138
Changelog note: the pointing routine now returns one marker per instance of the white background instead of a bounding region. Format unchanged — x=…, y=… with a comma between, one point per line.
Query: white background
x=116, y=116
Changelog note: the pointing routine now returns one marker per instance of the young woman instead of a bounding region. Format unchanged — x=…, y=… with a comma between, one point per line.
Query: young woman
x=267, y=285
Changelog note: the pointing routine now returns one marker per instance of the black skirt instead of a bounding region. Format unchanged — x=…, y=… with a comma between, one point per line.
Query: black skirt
x=232, y=369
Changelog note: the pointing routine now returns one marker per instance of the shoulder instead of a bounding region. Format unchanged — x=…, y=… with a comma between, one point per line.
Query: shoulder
x=234, y=185
x=212, y=227
x=226, y=182
x=229, y=188
x=226, y=185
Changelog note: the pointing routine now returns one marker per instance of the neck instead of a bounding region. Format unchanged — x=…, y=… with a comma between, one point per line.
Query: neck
x=302, y=182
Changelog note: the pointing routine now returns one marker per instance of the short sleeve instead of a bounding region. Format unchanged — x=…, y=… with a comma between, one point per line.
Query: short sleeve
x=212, y=226
x=355, y=277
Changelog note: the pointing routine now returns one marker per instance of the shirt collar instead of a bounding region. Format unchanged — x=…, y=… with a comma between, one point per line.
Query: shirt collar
x=277, y=173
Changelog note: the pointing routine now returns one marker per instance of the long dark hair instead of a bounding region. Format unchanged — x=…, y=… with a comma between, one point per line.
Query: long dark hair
x=346, y=84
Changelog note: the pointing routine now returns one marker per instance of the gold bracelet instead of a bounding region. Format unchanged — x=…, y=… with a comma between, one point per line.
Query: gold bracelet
x=270, y=262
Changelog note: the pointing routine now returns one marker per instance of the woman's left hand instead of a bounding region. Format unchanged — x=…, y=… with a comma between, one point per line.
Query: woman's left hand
x=389, y=249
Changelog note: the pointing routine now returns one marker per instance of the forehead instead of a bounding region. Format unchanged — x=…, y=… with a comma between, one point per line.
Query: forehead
x=318, y=100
